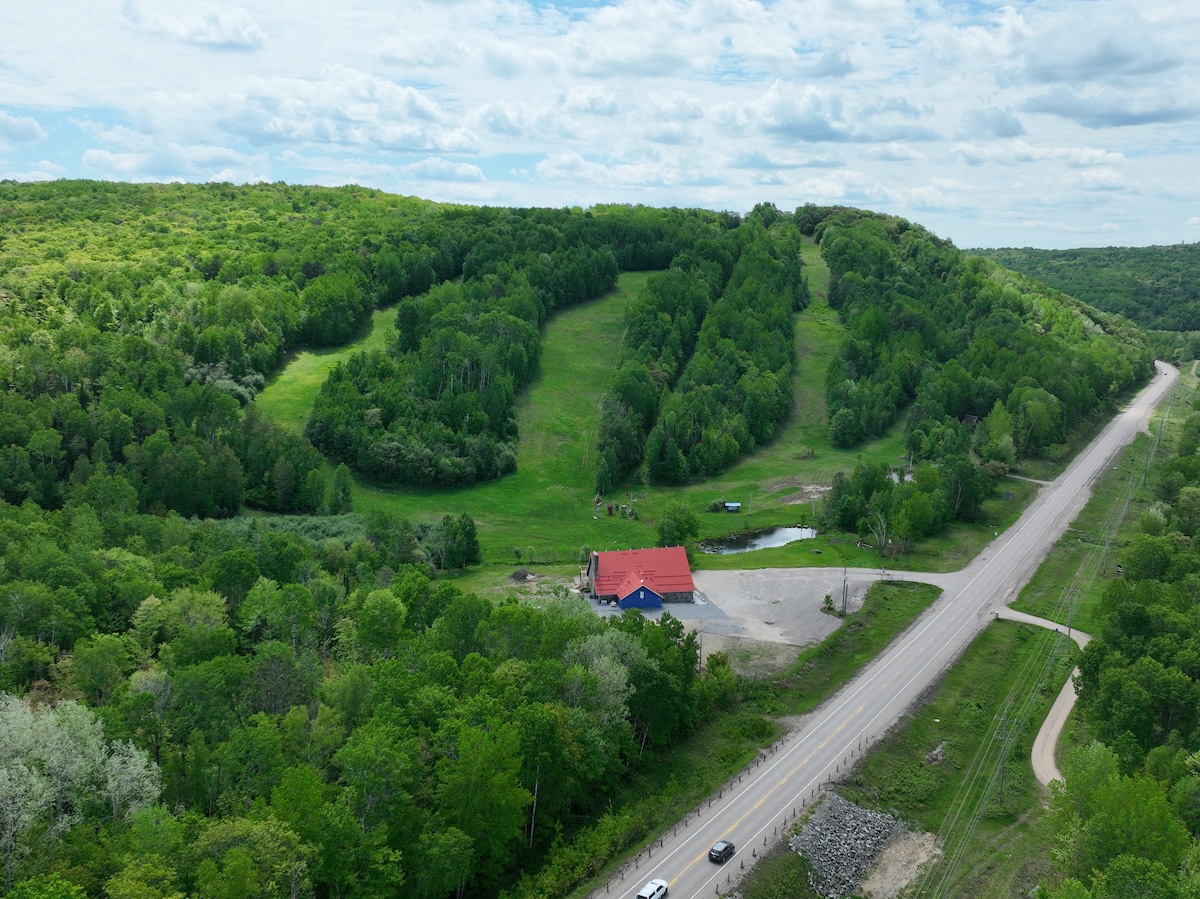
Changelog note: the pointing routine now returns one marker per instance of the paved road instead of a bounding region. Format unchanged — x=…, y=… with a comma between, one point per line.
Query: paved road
x=757, y=805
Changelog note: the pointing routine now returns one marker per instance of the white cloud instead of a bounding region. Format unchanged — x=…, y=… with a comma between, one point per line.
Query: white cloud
x=807, y=113
x=23, y=129
x=176, y=162
x=575, y=167
x=41, y=171
x=1019, y=151
x=1081, y=45
x=992, y=122
x=444, y=170
x=1100, y=179
x=834, y=63
x=231, y=28
x=1109, y=108
x=345, y=107
x=592, y=100
x=1053, y=111
x=893, y=151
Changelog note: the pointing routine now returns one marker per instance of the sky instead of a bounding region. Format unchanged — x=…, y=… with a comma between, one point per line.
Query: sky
x=1053, y=123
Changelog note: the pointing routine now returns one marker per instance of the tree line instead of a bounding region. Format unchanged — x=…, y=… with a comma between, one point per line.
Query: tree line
x=138, y=321
x=1157, y=287
x=438, y=406
x=250, y=711
x=706, y=374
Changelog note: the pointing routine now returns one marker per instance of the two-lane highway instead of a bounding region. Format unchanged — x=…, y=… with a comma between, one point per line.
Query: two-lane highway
x=754, y=808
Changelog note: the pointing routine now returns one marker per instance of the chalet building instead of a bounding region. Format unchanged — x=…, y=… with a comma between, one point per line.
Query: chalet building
x=641, y=578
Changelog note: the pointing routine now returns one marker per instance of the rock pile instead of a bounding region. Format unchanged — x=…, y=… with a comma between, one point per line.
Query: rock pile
x=840, y=842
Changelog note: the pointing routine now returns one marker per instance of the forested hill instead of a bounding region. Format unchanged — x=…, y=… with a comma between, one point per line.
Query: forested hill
x=943, y=336
x=986, y=366
x=138, y=320
x=1157, y=287
x=293, y=705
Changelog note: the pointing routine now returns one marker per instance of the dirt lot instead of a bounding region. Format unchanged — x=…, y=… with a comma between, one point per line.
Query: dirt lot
x=760, y=617
x=899, y=864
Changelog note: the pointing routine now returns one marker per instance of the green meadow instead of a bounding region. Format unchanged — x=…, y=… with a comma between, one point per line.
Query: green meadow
x=546, y=513
x=290, y=395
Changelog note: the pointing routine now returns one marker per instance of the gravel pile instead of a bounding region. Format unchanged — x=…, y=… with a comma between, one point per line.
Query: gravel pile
x=840, y=842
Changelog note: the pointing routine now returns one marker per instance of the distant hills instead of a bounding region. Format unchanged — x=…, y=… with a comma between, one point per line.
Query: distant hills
x=1157, y=287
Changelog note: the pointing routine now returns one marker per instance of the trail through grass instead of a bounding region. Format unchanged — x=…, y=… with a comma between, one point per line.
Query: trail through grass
x=545, y=509
x=289, y=397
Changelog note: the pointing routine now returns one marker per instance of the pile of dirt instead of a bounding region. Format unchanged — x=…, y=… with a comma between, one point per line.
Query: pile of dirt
x=898, y=865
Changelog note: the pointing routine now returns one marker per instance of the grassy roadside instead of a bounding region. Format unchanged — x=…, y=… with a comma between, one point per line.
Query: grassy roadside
x=1094, y=540
x=663, y=791
x=1007, y=851
x=820, y=670
x=959, y=766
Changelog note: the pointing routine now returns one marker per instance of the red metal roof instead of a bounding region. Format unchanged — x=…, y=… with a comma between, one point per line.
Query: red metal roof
x=663, y=569
x=633, y=581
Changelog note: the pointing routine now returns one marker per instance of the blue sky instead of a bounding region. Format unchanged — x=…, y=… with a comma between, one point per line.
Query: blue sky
x=1056, y=123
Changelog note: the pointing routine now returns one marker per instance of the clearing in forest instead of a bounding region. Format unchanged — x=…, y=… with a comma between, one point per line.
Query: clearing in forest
x=545, y=509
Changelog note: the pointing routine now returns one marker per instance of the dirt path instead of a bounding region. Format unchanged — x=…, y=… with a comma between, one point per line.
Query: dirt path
x=1045, y=768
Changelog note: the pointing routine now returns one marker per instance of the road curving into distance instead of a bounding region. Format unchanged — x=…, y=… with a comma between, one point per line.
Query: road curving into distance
x=756, y=806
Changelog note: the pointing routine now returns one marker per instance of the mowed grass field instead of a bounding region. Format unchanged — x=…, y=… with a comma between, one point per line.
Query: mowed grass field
x=546, y=511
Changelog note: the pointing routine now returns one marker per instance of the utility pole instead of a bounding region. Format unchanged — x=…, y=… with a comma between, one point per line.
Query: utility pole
x=843, y=591
x=1004, y=734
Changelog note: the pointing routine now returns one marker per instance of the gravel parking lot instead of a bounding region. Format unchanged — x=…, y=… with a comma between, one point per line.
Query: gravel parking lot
x=759, y=617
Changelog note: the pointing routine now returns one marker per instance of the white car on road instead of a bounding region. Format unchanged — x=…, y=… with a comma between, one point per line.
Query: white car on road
x=655, y=889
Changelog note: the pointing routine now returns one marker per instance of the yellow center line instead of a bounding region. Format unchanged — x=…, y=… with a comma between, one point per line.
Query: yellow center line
x=732, y=827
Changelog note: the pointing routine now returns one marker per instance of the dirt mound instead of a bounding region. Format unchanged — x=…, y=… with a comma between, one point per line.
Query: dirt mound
x=898, y=865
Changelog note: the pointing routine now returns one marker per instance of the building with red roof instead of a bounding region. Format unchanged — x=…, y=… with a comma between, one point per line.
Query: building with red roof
x=641, y=578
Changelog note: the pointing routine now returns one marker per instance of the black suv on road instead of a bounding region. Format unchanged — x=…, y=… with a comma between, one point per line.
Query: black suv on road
x=722, y=851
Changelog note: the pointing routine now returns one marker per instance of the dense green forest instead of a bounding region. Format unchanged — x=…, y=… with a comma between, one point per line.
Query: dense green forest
x=707, y=373
x=438, y=406
x=291, y=706
x=986, y=366
x=256, y=712
x=1157, y=287
x=943, y=335
x=137, y=322
x=202, y=702
x=1129, y=813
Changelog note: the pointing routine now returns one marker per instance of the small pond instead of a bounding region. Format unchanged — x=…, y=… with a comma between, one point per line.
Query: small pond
x=743, y=543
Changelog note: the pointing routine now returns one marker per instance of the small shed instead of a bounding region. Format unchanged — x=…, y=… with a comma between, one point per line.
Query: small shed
x=733, y=507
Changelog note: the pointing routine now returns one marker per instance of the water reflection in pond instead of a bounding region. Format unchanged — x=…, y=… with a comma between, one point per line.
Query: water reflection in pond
x=744, y=543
